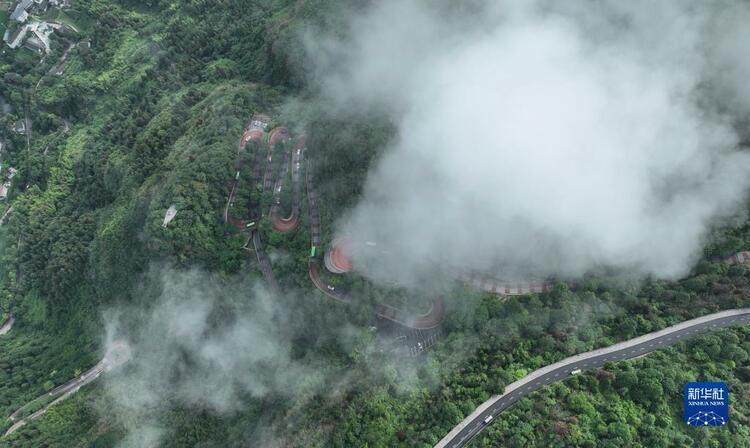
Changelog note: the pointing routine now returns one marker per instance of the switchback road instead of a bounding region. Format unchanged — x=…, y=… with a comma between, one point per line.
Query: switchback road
x=290, y=223
x=429, y=320
x=475, y=423
x=274, y=181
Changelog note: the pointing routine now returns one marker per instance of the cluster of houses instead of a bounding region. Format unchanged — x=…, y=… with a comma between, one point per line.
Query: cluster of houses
x=34, y=35
x=24, y=8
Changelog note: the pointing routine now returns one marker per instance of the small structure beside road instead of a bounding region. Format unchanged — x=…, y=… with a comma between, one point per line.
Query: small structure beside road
x=5, y=187
x=169, y=216
x=5, y=328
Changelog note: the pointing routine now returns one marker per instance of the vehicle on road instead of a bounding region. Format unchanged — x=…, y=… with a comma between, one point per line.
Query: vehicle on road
x=575, y=371
x=487, y=419
x=331, y=288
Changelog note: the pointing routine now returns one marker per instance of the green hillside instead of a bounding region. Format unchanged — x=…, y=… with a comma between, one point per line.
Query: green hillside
x=149, y=116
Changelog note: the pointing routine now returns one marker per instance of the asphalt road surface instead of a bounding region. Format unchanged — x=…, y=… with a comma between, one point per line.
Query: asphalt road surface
x=633, y=348
x=264, y=262
x=290, y=223
x=429, y=320
x=118, y=354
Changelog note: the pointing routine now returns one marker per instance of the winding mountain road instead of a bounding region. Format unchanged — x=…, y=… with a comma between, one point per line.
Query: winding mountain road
x=505, y=288
x=276, y=136
x=274, y=180
x=292, y=221
x=642, y=345
x=118, y=354
x=429, y=320
x=254, y=133
x=501, y=288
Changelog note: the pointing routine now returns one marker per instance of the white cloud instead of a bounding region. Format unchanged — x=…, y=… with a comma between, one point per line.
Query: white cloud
x=544, y=139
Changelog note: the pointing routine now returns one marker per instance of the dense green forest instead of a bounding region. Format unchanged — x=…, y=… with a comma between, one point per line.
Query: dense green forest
x=635, y=403
x=149, y=116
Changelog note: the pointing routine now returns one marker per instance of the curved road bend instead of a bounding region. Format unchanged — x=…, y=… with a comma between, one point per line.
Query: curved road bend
x=474, y=423
x=493, y=286
x=118, y=355
x=276, y=136
x=256, y=135
x=502, y=288
x=427, y=321
x=431, y=319
x=290, y=223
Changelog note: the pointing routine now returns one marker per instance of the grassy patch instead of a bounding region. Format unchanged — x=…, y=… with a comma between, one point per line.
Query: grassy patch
x=58, y=15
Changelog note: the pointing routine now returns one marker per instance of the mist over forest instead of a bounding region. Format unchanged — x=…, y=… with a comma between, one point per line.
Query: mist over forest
x=544, y=139
x=475, y=191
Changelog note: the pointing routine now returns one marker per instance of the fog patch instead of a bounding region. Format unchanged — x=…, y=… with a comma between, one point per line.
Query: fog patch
x=543, y=139
x=203, y=344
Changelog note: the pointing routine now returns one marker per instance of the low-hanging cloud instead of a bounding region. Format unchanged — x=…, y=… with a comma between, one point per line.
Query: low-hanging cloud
x=222, y=345
x=541, y=138
x=193, y=349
